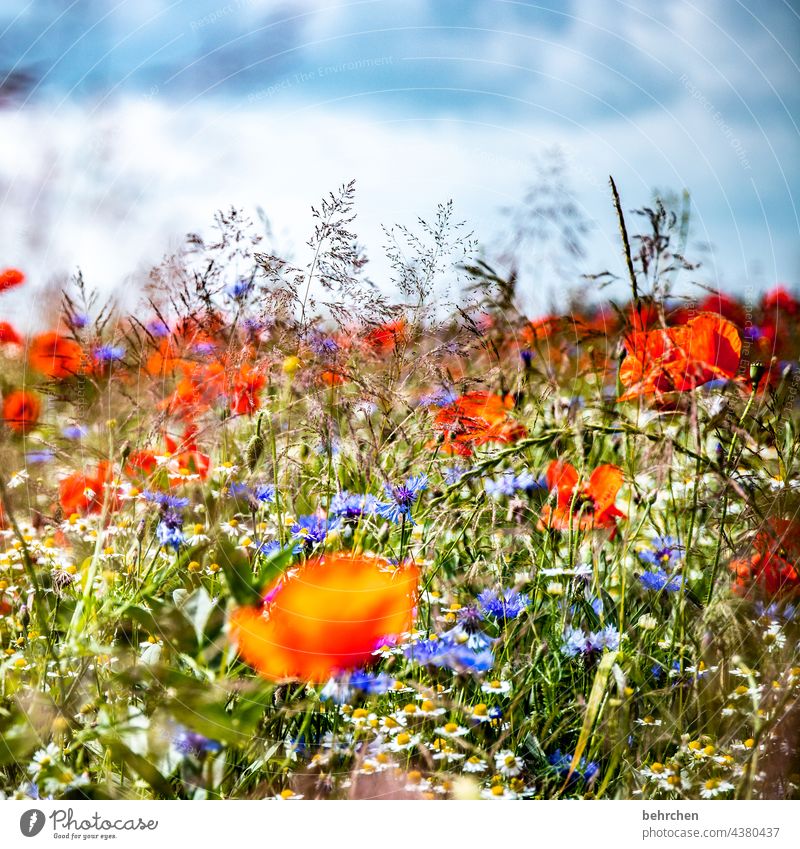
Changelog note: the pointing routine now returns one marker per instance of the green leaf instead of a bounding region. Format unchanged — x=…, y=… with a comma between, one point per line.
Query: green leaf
x=238, y=573
x=141, y=766
x=17, y=744
x=274, y=566
x=592, y=709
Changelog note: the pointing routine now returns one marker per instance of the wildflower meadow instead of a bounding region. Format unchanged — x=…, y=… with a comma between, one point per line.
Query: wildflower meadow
x=276, y=532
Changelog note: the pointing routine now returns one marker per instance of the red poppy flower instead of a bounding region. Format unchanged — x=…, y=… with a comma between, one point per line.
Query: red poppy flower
x=141, y=464
x=55, y=355
x=780, y=298
x=676, y=359
x=9, y=336
x=774, y=563
x=386, y=337
x=187, y=457
x=82, y=492
x=583, y=506
x=724, y=305
x=21, y=410
x=244, y=393
x=475, y=419
x=10, y=277
x=328, y=615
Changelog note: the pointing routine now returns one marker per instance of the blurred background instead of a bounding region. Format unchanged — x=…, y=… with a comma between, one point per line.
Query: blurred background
x=125, y=124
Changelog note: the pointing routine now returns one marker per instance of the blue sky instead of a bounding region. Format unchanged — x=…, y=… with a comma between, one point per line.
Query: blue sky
x=145, y=115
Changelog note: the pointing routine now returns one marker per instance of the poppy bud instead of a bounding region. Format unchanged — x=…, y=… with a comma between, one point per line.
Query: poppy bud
x=757, y=370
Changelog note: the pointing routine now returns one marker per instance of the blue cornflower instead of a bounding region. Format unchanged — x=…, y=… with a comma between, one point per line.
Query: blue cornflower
x=527, y=357
x=170, y=535
x=156, y=327
x=506, y=604
x=510, y=483
x=193, y=743
x=453, y=474
x=504, y=485
x=35, y=457
x=607, y=638
x=528, y=482
x=323, y=346
x=74, y=431
x=583, y=771
x=239, y=289
x=660, y=580
x=456, y=650
x=264, y=492
x=371, y=683
x=273, y=547
x=663, y=552
x=313, y=529
x=108, y=353
x=439, y=398
x=574, y=641
x=350, y=505
x=401, y=499
x=165, y=500
x=775, y=611
x=577, y=642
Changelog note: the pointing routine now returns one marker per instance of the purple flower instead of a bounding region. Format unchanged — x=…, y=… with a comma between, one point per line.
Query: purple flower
x=663, y=552
x=108, y=353
x=193, y=743
x=74, y=431
x=401, y=499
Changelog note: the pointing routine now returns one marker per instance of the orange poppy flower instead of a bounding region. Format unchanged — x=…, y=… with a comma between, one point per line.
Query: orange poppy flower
x=328, y=615
x=21, y=410
x=9, y=336
x=774, y=563
x=475, y=419
x=10, y=277
x=538, y=329
x=586, y=506
x=55, y=355
x=82, y=493
x=676, y=359
x=332, y=378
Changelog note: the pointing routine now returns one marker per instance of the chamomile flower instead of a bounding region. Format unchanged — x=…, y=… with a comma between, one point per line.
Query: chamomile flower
x=508, y=764
x=496, y=687
x=714, y=787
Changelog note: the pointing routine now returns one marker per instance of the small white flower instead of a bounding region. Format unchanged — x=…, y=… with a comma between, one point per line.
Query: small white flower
x=475, y=764
x=496, y=687
x=713, y=787
x=508, y=764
